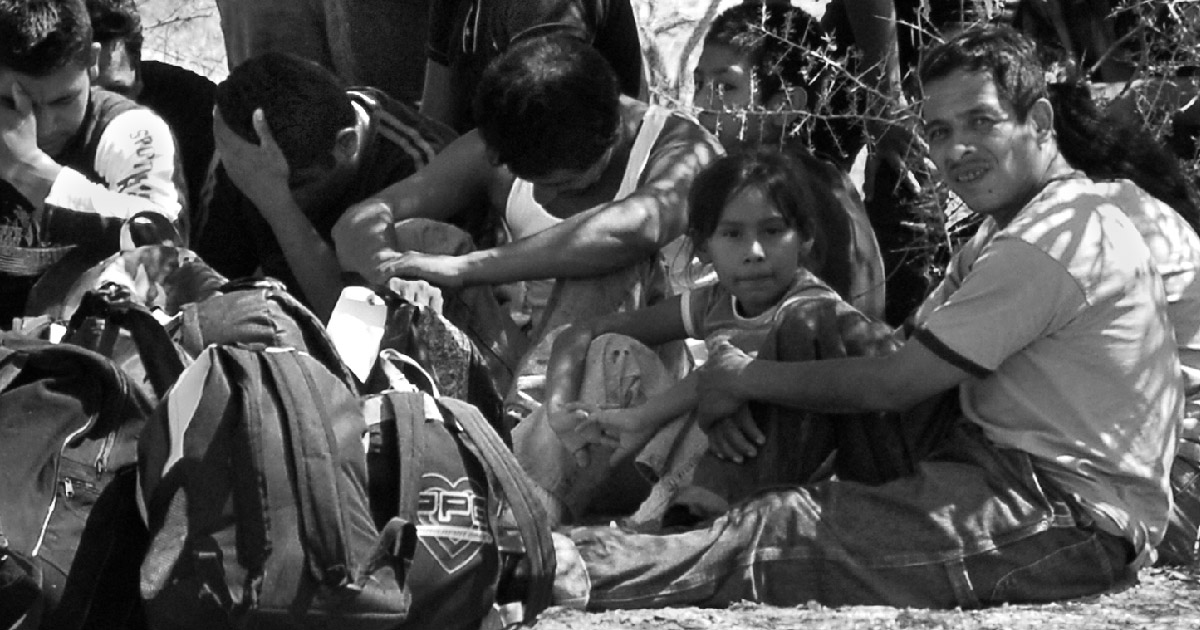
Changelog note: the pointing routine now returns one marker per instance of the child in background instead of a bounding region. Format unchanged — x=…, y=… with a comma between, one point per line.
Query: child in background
x=759, y=83
x=608, y=396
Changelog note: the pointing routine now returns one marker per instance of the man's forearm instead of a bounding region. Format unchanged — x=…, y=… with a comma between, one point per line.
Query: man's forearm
x=831, y=386
x=598, y=242
x=34, y=179
x=311, y=260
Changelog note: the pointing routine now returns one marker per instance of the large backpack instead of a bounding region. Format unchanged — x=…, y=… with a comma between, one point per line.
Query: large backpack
x=258, y=312
x=437, y=462
x=69, y=421
x=253, y=476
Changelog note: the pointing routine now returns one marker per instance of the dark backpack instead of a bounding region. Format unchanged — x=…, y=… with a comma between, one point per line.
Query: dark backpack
x=253, y=474
x=437, y=462
x=258, y=312
x=69, y=421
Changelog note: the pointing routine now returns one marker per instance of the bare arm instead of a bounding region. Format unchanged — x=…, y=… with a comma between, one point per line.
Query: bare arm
x=459, y=179
x=610, y=236
x=260, y=171
x=895, y=382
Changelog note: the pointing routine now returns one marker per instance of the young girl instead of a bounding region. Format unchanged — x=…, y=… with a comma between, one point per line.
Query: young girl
x=608, y=398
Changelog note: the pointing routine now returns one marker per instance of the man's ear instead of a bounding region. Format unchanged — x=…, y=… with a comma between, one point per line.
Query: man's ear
x=1042, y=115
x=347, y=146
x=91, y=59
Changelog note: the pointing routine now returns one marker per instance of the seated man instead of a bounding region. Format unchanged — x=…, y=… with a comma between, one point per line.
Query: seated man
x=757, y=82
x=183, y=98
x=591, y=185
x=1052, y=328
x=75, y=162
x=296, y=149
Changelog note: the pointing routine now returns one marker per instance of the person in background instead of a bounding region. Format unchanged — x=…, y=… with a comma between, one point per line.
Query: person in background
x=466, y=35
x=183, y=98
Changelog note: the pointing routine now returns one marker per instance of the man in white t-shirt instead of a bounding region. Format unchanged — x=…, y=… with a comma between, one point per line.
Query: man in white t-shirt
x=1050, y=483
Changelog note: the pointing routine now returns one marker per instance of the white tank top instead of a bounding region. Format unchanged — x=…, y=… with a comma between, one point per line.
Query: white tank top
x=524, y=216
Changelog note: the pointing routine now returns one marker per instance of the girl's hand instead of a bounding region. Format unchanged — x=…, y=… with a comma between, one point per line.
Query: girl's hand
x=566, y=422
x=736, y=437
x=621, y=428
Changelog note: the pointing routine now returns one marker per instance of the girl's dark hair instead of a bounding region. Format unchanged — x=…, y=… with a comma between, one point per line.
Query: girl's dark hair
x=785, y=181
x=1108, y=146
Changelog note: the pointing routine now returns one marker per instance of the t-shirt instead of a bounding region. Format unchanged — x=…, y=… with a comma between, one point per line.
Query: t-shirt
x=237, y=241
x=185, y=100
x=711, y=313
x=465, y=35
x=121, y=162
x=1062, y=321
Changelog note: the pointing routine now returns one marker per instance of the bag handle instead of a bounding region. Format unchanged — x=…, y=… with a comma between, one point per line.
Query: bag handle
x=531, y=519
x=308, y=436
x=154, y=345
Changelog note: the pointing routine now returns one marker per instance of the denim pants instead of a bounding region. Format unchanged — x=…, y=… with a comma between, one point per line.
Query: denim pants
x=380, y=43
x=974, y=526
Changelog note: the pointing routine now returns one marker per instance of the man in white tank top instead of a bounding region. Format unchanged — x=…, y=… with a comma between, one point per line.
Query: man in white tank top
x=589, y=185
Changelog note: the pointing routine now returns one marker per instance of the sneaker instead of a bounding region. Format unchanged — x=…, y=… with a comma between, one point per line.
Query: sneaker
x=572, y=586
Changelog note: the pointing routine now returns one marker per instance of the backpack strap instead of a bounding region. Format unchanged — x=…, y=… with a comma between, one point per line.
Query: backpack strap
x=308, y=437
x=316, y=340
x=526, y=510
x=154, y=344
x=408, y=408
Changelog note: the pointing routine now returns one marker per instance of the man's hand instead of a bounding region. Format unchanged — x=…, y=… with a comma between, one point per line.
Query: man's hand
x=736, y=437
x=566, y=421
x=260, y=170
x=419, y=293
x=443, y=271
x=716, y=389
x=18, y=135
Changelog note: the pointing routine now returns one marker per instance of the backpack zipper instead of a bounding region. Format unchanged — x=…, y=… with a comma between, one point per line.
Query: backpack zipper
x=37, y=547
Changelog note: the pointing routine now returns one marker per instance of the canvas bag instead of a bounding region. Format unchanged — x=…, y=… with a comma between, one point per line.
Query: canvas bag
x=69, y=420
x=253, y=477
x=437, y=462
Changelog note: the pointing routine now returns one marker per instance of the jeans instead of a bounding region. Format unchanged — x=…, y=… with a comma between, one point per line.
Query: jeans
x=974, y=526
x=380, y=43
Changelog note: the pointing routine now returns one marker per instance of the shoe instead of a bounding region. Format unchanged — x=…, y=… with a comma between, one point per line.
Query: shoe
x=572, y=586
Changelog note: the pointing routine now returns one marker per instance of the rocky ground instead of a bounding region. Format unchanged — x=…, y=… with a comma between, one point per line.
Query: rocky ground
x=1165, y=599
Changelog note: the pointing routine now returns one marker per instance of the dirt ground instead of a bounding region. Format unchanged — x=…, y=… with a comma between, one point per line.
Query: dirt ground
x=1165, y=598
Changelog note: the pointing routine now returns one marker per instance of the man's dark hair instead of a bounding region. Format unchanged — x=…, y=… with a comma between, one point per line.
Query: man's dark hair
x=305, y=105
x=548, y=103
x=1010, y=57
x=117, y=19
x=776, y=39
x=39, y=37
